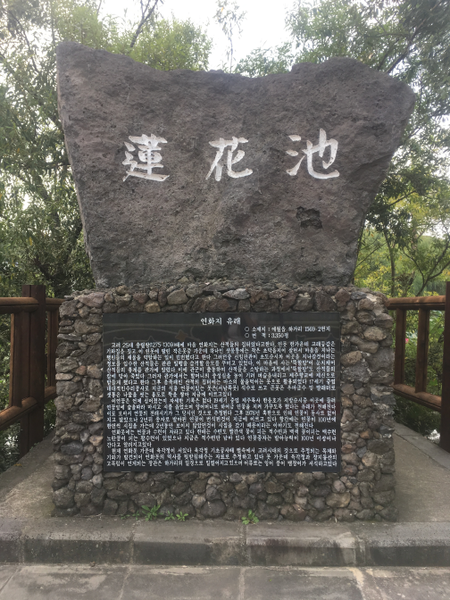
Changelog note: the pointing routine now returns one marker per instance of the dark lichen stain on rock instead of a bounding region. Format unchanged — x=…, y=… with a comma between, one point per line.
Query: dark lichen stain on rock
x=309, y=217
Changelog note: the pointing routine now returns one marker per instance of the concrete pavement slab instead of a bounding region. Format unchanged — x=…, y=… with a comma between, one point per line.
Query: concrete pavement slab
x=54, y=582
x=34, y=461
x=189, y=583
x=39, y=582
x=189, y=543
x=406, y=584
x=6, y=573
x=304, y=584
x=424, y=445
x=423, y=478
x=306, y=544
x=26, y=488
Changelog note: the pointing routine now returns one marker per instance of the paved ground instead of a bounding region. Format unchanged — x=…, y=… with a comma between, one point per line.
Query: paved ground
x=37, y=582
x=29, y=535
x=106, y=558
x=423, y=478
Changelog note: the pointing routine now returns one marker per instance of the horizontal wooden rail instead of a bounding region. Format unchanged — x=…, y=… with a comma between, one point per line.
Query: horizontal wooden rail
x=423, y=398
x=50, y=393
x=16, y=305
x=52, y=304
x=424, y=305
x=427, y=302
x=11, y=415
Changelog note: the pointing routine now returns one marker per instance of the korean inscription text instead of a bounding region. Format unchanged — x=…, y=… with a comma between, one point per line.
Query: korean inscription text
x=221, y=392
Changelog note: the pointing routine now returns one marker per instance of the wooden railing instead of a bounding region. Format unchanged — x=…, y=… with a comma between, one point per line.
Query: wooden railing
x=32, y=379
x=419, y=393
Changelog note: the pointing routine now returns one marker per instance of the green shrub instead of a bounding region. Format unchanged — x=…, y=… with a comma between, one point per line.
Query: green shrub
x=418, y=418
x=9, y=447
x=435, y=351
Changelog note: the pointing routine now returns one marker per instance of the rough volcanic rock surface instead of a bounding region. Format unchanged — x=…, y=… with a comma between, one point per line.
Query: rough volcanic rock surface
x=253, y=220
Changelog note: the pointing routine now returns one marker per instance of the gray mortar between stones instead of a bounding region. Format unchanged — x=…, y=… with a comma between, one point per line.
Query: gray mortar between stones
x=363, y=490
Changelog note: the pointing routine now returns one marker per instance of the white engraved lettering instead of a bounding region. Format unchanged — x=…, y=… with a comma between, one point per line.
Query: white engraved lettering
x=310, y=151
x=148, y=155
x=217, y=164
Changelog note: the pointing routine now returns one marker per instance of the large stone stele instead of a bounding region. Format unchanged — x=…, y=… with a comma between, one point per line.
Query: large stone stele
x=214, y=198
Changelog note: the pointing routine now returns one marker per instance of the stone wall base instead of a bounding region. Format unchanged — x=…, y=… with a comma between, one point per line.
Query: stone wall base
x=364, y=489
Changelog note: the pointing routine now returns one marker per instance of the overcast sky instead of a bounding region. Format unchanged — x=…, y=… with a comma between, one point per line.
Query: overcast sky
x=263, y=26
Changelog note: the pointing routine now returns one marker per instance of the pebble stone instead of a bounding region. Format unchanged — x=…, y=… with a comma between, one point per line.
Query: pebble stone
x=363, y=490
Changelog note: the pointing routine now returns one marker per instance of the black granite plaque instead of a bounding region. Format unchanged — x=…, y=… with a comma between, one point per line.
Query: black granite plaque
x=221, y=391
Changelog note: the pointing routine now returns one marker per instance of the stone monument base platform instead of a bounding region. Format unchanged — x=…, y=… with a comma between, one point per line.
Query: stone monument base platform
x=29, y=534
x=362, y=490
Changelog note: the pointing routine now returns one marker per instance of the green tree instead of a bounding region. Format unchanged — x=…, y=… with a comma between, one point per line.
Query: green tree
x=266, y=61
x=41, y=239
x=229, y=16
x=410, y=40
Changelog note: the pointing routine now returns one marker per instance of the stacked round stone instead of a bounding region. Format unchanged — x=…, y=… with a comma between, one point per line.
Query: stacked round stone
x=363, y=490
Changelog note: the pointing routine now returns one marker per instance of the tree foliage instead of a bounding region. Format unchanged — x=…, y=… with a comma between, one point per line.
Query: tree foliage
x=266, y=61
x=229, y=17
x=409, y=222
x=41, y=239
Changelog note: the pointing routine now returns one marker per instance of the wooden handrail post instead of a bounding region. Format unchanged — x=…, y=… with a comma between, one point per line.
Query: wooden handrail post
x=32, y=424
x=445, y=399
x=19, y=379
x=52, y=342
x=400, y=335
x=27, y=390
x=423, y=333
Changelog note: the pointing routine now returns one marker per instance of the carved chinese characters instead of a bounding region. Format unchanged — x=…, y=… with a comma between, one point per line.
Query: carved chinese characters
x=148, y=155
x=310, y=151
x=210, y=175
x=150, y=158
x=232, y=145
